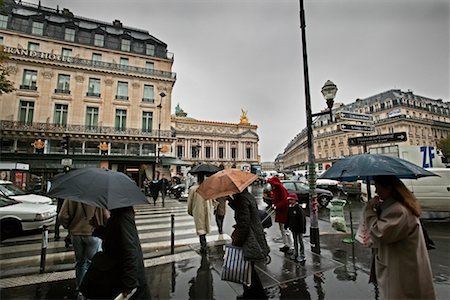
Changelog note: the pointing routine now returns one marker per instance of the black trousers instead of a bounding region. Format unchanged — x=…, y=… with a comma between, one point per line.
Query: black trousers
x=256, y=289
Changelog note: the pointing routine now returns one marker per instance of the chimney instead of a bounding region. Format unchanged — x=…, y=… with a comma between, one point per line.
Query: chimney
x=117, y=24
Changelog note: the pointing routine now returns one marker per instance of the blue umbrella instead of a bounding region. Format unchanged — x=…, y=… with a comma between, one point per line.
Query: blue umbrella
x=97, y=187
x=366, y=166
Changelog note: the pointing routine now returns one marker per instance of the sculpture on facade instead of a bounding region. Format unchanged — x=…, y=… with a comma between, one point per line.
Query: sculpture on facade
x=244, y=118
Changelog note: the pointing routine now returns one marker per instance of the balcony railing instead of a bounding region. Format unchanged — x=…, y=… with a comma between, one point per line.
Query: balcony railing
x=87, y=62
x=70, y=128
x=119, y=97
x=62, y=91
x=28, y=87
x=92, y=94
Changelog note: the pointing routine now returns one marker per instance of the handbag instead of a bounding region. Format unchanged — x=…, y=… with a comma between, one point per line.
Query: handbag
x=235, y=268
x=102, y=278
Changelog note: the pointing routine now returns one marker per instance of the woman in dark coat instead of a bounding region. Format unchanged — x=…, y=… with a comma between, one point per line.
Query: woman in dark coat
x=249, y=234
x=121, y=241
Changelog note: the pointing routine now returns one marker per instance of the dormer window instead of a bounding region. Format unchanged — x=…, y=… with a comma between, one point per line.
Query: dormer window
x=69, y=34
x=99, y=40
x=37, y=28
x=126, y=45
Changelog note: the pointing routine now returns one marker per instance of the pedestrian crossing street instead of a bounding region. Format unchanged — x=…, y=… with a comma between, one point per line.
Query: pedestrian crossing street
x=22, y=255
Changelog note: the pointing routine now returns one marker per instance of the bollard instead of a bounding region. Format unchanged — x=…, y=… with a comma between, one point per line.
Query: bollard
x=44, y=248
x=172, y=234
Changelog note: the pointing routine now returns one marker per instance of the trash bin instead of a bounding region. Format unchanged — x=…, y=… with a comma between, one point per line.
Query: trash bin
x=337, y=217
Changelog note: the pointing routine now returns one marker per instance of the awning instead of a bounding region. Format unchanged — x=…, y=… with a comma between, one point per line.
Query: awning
x=170, y=161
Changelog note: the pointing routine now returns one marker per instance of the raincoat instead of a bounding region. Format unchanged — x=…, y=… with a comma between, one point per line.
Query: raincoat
x=279, y=199
x=249, y=233
x=200, y=209
x=402, y=265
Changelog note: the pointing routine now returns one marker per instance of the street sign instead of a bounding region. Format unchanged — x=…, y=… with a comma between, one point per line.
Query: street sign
x=378, y=139
x=356, y=127
x=345, y=115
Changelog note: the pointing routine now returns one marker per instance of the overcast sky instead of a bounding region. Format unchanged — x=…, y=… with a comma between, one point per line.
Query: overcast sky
x=233, y=54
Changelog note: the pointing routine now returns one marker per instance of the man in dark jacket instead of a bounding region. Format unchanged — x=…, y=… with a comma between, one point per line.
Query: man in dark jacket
x=121, y=241
x=249, y=234
x=296, y=222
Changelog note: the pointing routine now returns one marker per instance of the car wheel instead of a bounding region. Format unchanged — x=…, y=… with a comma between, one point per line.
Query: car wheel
x=9, y=229
x=323, y=200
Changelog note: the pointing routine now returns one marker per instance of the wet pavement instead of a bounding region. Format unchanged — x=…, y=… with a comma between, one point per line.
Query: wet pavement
x=341, y=271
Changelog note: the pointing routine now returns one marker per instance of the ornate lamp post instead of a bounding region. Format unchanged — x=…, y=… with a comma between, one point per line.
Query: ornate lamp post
x=329, y=91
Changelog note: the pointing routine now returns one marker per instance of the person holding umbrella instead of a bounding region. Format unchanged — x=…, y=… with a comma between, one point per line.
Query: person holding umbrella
x=122, y=253
x=200, y=209
x=76, y=217
x=401, y=263
x=249, y=234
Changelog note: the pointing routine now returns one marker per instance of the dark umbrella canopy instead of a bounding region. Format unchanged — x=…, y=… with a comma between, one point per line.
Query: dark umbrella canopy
x=98, y=187
x=204, y=169
x=365, y=166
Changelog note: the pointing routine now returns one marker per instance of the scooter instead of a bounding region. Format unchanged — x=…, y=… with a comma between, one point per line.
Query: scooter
x=177, y=190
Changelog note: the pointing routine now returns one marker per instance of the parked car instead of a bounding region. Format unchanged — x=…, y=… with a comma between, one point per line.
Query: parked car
x=333, y=186
x=16, y=217
x=302, y=191
x=351, y=187
x=8, y=189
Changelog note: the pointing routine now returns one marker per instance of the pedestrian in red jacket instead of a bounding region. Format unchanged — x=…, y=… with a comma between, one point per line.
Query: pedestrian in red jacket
x=281, y=205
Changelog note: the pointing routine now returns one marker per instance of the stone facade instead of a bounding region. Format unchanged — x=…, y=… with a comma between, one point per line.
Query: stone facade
x=228, y=144
x=87, y=81
x=425, y=121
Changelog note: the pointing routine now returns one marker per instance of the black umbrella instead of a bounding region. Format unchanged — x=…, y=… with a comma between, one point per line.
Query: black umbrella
x=204, y=169
x=98, y=187
x=366, y=166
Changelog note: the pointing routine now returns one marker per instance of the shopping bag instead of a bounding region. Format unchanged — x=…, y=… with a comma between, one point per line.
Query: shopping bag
x=235, y=268
x=362, y=234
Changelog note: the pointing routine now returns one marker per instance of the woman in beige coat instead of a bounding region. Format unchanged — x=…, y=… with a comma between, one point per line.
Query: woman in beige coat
x=401, y=261
x=200, y=209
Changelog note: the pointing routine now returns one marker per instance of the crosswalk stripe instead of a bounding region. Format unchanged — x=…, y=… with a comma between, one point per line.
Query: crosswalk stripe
x=154, y=229
x=64, y=257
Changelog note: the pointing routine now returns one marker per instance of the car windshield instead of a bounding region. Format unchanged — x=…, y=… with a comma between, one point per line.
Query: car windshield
x=6, y=202
x=289, y=185
x=9, y=189
x=303, y=185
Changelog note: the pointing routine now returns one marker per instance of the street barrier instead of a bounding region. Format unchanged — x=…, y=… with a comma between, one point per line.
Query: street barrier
x=44, y=248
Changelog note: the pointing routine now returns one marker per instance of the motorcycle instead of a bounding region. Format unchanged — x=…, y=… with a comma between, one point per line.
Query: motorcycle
x=175, y=191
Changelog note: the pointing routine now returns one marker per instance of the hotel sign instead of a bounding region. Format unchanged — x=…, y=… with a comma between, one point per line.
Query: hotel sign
x=37, y=54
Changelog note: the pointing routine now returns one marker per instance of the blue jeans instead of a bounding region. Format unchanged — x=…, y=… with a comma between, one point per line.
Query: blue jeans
x=85, y=247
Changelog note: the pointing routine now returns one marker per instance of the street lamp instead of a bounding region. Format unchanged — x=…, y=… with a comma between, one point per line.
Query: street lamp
x=329, y=91
x=162, y=95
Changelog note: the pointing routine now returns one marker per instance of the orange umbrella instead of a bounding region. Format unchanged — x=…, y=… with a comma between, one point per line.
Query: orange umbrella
x=225, y=182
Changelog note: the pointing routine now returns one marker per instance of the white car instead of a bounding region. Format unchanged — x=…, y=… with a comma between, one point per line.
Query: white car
x=16, y=217
x=8, y=189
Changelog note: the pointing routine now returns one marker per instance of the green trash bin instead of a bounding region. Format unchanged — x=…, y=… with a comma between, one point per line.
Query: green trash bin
x=337, y=217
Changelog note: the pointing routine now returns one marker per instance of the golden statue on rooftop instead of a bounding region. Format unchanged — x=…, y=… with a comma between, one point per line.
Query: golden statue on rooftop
x=244, y=118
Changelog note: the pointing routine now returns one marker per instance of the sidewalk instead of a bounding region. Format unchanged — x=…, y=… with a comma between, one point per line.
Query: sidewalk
x=339, y=272
x=189, y=275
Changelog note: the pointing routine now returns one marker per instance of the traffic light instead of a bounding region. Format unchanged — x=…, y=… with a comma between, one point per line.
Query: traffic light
x=66, y=169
